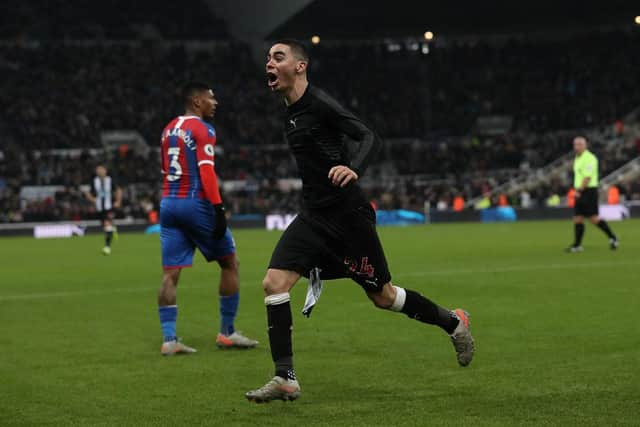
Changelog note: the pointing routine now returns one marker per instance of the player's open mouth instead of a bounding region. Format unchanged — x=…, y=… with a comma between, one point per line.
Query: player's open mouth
x=272, y=79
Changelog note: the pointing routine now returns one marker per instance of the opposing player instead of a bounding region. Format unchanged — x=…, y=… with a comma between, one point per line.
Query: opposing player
x=585, y=172
x=335, y=234
x=106, y=195
x=192, y=215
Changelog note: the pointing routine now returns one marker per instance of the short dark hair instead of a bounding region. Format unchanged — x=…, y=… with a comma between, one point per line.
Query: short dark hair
x=191, y=88
x=297, y=47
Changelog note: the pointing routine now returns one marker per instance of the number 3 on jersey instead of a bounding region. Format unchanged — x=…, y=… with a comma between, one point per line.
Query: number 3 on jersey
x=174, y=154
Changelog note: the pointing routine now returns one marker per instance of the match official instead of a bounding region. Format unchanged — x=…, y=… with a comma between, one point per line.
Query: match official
x=585, y=182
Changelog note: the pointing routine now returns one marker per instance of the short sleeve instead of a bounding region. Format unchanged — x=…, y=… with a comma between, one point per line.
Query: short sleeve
x=590, y=166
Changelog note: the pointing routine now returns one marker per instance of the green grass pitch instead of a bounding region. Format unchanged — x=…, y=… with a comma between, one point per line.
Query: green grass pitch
x=558, y=335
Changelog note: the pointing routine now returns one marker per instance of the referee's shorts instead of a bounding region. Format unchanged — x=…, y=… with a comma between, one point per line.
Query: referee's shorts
x=341, y=243
x=587, y=203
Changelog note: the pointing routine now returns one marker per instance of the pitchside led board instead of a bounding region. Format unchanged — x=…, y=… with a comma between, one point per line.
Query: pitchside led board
x=394, y=217
x=48, y=231
x=281, y=222
x=614, y=212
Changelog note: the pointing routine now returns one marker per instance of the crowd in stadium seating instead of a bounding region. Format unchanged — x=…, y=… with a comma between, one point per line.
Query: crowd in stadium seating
x=70, y=93
x=63, y=95
x=546, y=85
x=260, y=169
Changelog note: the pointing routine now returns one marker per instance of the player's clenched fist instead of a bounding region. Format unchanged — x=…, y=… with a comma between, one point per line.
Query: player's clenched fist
x=342, y=175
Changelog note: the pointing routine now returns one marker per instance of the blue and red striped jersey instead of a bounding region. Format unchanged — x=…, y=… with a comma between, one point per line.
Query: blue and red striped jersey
x=187, y=143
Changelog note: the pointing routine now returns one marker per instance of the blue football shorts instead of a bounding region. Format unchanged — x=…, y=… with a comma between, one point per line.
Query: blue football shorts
x=186, y=224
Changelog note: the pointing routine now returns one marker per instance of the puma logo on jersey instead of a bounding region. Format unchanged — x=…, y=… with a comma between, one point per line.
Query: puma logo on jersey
x=293, y=122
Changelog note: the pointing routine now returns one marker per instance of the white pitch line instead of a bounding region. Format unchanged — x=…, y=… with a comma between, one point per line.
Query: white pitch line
x=516, y=268
x=88, y=292
x=451, y=272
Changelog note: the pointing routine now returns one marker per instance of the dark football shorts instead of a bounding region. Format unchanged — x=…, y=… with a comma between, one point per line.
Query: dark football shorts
x=587, y=203
x=106, y=215
x=342, y=244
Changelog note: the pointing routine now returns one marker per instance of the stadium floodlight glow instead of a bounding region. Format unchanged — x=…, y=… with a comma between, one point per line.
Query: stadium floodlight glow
x=429, y=35
x=393, y=47
x=637, y=20
x=315, y=39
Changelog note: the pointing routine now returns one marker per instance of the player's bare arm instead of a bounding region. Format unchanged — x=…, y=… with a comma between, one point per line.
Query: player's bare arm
x=118, y=200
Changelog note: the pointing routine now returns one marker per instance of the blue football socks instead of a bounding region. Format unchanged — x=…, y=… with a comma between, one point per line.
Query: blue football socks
x=168, y=316
x=228, y=311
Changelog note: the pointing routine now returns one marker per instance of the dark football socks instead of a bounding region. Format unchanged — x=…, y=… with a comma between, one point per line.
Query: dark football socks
x=108, y=237
x=602, y=225
x=280, y=324
x=424, y=310
x=578, y=231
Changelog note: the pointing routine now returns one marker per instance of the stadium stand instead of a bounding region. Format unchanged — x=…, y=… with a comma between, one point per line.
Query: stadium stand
x=430, y=107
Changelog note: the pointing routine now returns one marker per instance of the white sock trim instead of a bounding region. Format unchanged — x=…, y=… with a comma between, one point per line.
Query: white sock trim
x=277, y=299
x=401, y=297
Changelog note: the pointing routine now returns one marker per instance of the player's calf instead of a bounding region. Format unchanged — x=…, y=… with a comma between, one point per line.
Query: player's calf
x=383, y=299
x=454, y=323
x=414, y=305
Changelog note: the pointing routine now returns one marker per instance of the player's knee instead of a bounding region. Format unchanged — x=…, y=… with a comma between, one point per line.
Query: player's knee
x=170, y=278
x=274, y=284
x=384, y=298
x=230, y=263
x=381, y=299
x=269, y=286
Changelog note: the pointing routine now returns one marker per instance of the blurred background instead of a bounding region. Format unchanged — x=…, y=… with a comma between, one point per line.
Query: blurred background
x=477, y=102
